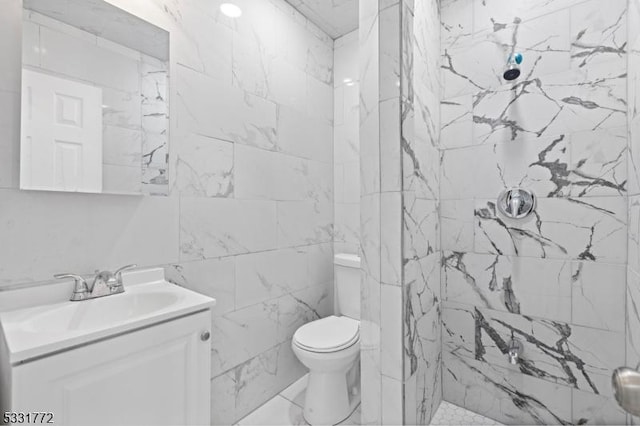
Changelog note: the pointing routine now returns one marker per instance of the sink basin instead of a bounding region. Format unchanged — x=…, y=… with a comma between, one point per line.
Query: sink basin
x=96, y=313
x=39, y=330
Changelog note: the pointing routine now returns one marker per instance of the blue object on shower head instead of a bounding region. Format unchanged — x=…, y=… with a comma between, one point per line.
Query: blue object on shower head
x=518, y=58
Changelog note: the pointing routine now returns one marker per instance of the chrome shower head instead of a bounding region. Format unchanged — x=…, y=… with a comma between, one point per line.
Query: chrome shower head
x=513, y=67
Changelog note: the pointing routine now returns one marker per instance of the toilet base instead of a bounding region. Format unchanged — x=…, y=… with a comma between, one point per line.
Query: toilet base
x=324, y=407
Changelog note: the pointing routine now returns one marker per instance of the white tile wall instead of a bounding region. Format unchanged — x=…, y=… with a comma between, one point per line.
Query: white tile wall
x=221, y=230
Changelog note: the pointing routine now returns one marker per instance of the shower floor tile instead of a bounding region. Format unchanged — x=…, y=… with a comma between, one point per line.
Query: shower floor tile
x=285, y=409
x=450, y=415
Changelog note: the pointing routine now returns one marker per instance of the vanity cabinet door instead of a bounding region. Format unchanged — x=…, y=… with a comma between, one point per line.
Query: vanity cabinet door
x=155, y=376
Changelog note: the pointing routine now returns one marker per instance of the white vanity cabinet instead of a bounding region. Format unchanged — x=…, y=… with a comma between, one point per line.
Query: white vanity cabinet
x=141, y=357
x=159, y=375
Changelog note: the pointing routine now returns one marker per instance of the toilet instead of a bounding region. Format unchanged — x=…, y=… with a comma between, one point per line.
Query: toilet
x=330, y=349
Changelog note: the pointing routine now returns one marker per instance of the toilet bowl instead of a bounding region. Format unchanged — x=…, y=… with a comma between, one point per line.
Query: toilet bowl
x=330, y=348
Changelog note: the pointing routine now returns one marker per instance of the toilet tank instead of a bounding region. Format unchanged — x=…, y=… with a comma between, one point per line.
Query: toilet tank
x=347, y=276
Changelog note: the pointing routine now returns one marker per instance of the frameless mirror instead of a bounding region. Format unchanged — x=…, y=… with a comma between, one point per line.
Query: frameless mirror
x=95, y=110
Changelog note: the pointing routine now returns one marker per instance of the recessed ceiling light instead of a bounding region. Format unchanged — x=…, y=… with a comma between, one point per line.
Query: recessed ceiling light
x=231, y=10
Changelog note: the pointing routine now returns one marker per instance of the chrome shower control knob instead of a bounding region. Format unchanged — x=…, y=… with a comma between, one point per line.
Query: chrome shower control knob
x=516, y=203
x=204, y=336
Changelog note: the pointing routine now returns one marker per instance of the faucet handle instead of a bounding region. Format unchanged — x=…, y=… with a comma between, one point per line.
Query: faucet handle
x=119, y=271
x=80, y=290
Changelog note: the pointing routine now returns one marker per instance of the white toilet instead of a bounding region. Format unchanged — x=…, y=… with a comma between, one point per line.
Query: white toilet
x=330, y=347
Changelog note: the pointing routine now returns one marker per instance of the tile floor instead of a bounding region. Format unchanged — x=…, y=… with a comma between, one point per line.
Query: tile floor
x=285, y=409
x=449, y=414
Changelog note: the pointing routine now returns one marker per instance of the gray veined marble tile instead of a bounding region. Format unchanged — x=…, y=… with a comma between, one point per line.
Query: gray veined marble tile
x=223, y=399
x=553, y=351
x=304, y=222
x=495, y=13
x=369, y=151
x=392, y=401
x=479, y=62
x=589, y=408
x=457, y=122
x=241, y=226
x=302, y=306
x=632, y=320
x=391, y=228
x=391, y=317
x=552, y=105
x=390, y=146
x=598, y=293
x=240, y=335
x=241, y=117
x=262, y=377
x=593, y=229
x=540, y=165
x=347, y=222
x=204, y=167
x=408, y=51
x=420, y=139
x=261, y=174
x=457, y=225
x=213, y=277
x=207, y=51
x=598, y=34
x=422, y=289
x=456, y=22
x=633, y=258
x=371, y=387
x=598, y=163
x=422, y=337
x=584, y=164
x=421, y=229
x=389, y=39
x=269, y=274
x=506, y=396
x=307, y=136
x=519, y=285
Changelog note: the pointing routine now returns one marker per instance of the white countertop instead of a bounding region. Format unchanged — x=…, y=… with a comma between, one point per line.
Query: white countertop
x=40, y=330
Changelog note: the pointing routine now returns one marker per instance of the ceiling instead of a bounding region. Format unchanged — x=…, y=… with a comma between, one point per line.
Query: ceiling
x=335, y=17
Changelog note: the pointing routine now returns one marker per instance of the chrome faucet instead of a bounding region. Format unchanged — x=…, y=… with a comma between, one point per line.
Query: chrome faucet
x=514, y=350
x=516, y=203
x=104, y=283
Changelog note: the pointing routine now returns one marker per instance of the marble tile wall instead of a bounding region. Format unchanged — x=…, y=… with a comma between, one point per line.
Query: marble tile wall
x=399, y=161
x=249, y=217
x=380, y=213
x=633, y=264
x=346, y=144
x=556, y=281
x=421, y=228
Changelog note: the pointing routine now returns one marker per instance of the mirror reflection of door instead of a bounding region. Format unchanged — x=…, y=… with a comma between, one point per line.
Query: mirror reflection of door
x=61, y=146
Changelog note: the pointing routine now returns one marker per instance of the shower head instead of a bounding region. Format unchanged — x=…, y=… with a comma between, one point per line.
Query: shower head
x=513, y=67
x=511, y=73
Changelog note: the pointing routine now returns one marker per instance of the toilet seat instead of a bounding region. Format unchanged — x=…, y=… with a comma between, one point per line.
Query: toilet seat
x=330, y=334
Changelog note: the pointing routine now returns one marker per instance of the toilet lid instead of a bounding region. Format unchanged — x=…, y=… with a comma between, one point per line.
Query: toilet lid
x=329, y=334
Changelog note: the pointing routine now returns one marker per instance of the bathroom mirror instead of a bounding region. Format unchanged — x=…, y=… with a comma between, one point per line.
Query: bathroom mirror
x=95, y=107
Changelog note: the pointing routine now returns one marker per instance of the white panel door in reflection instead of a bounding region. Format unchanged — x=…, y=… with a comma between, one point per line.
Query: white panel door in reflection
x=61, y=142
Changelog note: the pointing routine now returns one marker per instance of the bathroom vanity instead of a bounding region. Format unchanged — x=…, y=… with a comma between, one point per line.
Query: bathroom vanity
x=139, y=357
